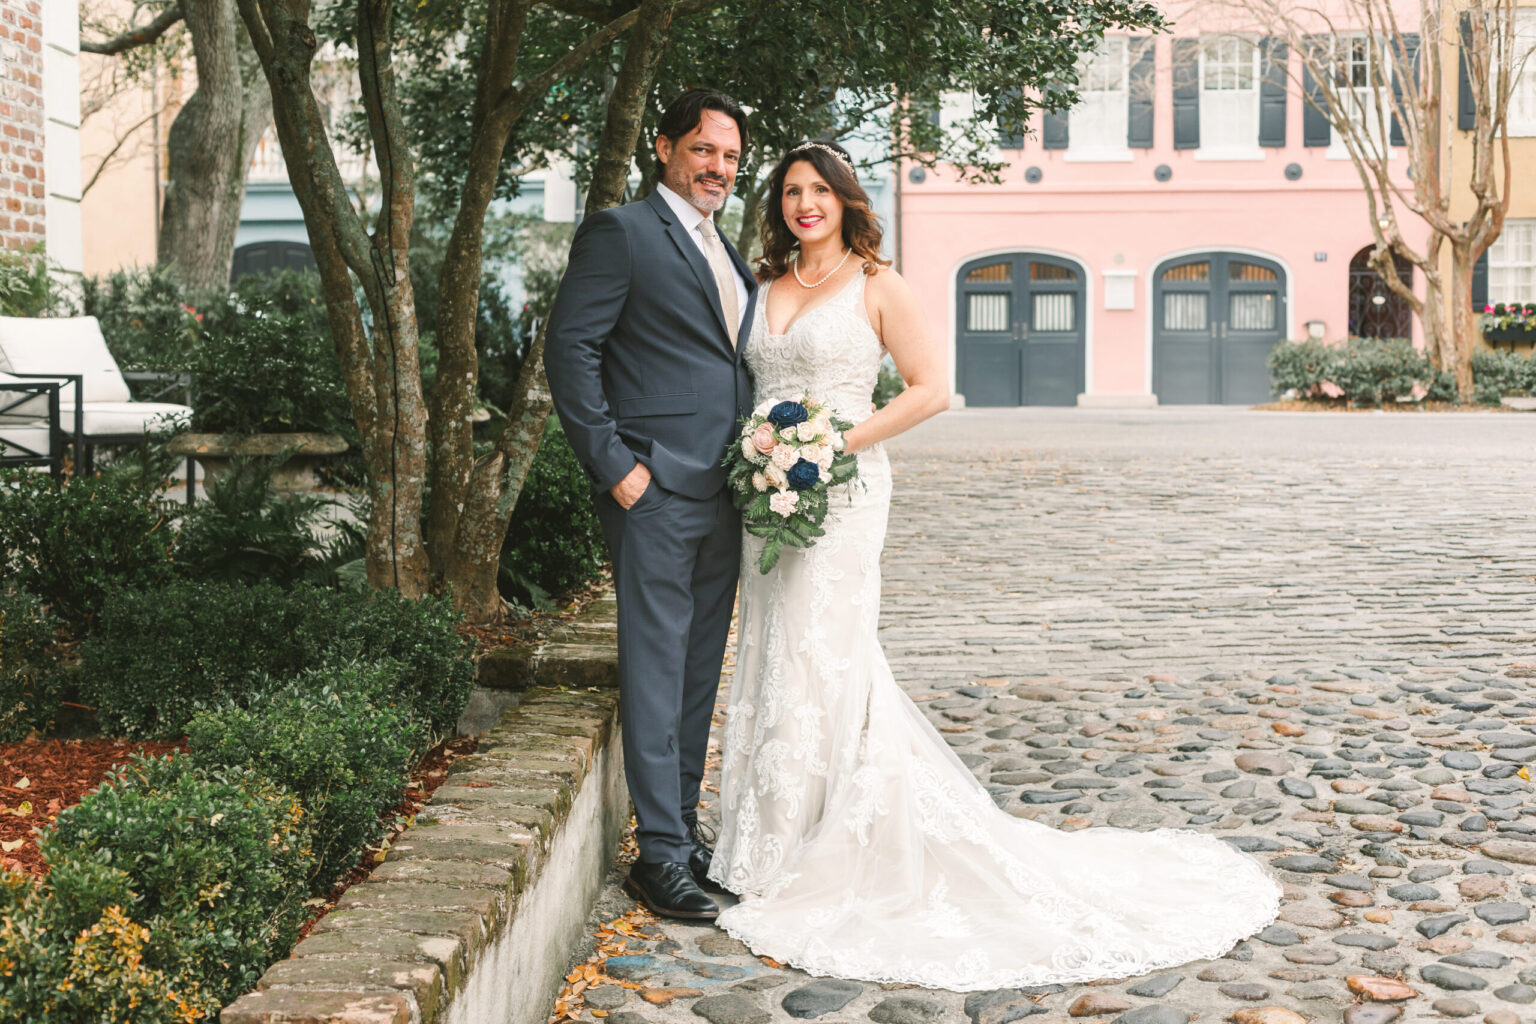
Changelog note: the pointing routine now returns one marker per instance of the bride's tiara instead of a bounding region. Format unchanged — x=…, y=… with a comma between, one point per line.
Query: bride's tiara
x=825, y=149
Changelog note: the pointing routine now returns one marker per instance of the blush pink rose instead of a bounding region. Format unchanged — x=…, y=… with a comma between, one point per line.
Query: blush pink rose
x=763, y=437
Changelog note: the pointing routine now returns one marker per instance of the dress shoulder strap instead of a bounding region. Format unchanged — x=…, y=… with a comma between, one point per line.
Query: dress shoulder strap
x=856, y=293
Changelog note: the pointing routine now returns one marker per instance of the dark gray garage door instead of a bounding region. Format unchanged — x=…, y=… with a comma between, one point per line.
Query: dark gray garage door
x=1019, y=330
x=1216, y=315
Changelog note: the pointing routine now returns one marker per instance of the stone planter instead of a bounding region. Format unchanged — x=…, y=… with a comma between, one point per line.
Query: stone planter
x=1520, y=403
x=297, y=473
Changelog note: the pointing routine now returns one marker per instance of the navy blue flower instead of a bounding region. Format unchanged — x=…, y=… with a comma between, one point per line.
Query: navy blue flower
x=787, y=414
x=803, y=475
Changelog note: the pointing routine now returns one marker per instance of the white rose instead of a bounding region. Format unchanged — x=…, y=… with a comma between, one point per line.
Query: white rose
x=788, y=435
x=811, y=453
x=784, y=502
x=821, y=425
x=764, y=407
x=785, y=455
x=806, y=431
x=775, y=476
x=835, y=441
x=759, y=482
x=824, y=460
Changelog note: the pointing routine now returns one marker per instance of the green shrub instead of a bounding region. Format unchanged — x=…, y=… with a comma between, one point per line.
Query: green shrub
x=157, y=658
x=68, y=543
x=554, y=542
x=26, y=287
x=1301, y=366
x=332, y=739
x=246, y=531
x=264, y=362
x=217, y=864
x=149, y=321
x=70, y=953
x=1375, y=371
x=29, y=695
x=888, y=384
x=1369, y=371
x=1496, y=374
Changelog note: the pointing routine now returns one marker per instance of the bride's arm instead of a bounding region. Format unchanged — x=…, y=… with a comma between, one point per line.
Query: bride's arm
x=899, y=321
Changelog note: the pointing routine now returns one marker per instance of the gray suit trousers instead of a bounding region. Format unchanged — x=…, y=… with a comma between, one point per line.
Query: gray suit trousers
x=675, y=563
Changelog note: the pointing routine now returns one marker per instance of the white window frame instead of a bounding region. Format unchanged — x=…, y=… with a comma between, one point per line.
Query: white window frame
x=1106, y=108
x=1243, y=143
x=1522, y=96
x=1364, y=95
x=1512, y=263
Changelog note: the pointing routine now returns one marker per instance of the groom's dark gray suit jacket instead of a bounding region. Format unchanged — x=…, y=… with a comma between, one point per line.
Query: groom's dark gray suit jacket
x=638, y=355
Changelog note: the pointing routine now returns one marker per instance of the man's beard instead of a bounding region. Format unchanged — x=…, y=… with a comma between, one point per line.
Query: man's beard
x=697, y=197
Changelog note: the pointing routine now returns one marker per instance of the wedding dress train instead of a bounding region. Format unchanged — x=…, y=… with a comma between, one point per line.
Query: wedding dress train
x=862, y=847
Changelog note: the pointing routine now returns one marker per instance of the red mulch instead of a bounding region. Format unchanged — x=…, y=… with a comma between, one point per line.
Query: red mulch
x=39, y=778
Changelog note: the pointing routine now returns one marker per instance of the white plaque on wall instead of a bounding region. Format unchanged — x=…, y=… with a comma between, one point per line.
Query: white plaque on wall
x=1119, y=289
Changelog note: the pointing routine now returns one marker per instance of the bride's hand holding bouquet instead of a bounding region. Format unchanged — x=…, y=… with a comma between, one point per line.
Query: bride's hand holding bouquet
x=789, y=456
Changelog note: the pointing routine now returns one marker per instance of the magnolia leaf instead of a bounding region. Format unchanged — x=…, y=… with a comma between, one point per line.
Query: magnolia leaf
x=22, y=783
x=12, y=845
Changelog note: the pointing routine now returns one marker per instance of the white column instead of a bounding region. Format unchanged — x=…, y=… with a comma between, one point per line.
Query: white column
x=61, y=134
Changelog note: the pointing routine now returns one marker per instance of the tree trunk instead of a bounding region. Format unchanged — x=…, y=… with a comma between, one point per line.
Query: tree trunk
x=626, y=105
x=746, y=240
x=458, y=370
x=205, y=174
x=1463, y=320
x=383, y=374
x=474, y=563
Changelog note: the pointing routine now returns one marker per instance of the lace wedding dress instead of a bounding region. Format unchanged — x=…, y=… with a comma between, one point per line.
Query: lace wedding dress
x=861, y=845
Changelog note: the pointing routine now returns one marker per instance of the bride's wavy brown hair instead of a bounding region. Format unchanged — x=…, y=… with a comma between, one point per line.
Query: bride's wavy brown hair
x=861, y=228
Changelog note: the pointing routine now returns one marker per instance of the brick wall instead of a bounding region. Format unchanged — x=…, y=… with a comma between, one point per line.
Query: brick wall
x=21, y=123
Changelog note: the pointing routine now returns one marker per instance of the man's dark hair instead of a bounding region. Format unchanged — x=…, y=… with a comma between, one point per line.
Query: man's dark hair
x=685, y=113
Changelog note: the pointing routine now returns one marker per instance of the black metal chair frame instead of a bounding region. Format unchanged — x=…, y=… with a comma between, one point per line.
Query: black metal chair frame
x=47, y=386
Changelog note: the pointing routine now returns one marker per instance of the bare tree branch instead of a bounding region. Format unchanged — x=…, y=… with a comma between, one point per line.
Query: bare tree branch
x=101, y=167
x=134, y=38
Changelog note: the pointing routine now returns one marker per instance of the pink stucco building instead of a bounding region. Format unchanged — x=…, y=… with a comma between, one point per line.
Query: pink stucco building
x=1150, y=246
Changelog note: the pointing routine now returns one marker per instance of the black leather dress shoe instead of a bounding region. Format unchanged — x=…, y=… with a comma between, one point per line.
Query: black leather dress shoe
x=667, y=888
x=700, y=856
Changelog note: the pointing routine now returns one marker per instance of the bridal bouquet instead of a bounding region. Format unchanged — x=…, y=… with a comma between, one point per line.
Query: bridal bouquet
x=789, y=456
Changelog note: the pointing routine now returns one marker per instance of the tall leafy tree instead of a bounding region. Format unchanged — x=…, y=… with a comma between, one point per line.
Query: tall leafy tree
x=459, y=98
x=214, y=134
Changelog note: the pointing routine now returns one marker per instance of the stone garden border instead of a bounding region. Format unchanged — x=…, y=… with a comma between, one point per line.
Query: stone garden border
x=480, y=905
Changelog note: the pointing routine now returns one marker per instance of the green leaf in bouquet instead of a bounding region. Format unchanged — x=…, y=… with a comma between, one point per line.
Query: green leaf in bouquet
x=770, y=556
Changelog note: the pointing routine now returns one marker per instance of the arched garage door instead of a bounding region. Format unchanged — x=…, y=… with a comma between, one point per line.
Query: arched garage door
x=1216, y=315
x=1019, y=330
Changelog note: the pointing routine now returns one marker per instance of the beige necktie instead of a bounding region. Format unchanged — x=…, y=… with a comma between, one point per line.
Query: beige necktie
x=725, y=276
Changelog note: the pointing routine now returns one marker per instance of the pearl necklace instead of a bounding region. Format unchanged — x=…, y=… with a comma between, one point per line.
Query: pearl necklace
x=794, y=265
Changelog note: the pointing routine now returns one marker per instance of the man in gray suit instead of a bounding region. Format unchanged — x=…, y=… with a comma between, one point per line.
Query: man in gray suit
x=646, y=370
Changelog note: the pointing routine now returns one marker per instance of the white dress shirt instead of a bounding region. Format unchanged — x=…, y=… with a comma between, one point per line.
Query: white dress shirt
x=691, y=217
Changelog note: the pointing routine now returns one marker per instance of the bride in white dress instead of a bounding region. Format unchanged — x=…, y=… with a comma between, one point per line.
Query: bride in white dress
x=861, y=846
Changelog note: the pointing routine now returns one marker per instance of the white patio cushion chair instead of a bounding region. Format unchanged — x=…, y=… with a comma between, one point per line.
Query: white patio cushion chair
x=98, y=406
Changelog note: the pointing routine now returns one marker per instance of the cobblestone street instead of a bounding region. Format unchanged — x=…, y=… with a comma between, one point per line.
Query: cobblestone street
x=1312, y=634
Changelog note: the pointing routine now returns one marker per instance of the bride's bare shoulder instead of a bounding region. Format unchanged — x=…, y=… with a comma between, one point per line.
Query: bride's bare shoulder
x=885, y=287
